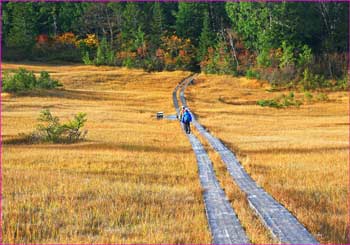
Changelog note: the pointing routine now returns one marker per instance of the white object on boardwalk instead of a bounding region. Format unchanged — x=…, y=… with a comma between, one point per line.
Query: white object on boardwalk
x=160, y=115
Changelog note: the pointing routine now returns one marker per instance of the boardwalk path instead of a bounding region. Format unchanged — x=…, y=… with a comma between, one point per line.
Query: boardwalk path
x=223, y=222
x=282, y=224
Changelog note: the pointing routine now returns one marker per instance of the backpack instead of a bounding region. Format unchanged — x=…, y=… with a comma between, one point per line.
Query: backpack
x=186, y=117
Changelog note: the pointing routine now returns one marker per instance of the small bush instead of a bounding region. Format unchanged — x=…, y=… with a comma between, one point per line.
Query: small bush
x=280, y=102
x=104, y=55
x=51, y=130
x=287, y=58
x=20, y=81
x=269, y=103
x=305, y=57
x=312, y=81
x=308, y=96
x=342, y=84
x=263, y=58
x=322, y=97
x=251, y=74
x=23, y=80
x=46, y=82
x=289, y=100
x=153, y=64
x=72, y=129
x=86, y=59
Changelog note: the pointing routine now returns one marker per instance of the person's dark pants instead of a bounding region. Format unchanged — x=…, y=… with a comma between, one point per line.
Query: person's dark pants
x=187, y=127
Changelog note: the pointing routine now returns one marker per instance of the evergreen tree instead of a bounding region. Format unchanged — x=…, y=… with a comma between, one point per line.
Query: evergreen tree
x=139, y=40
x=69, y=16
x=169, y=10
x=157, y=24
x=22, y=31
x=47, y=18
x=6, y=15
x=104, y=55
x=206, y=38
x=189, y=21
x=130, y=25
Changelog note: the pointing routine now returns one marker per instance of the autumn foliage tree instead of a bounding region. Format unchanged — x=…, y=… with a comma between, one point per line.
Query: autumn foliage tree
x=259, y=39
x=178, y=53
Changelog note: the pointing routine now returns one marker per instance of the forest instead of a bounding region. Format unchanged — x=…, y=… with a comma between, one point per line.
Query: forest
x=279, y=42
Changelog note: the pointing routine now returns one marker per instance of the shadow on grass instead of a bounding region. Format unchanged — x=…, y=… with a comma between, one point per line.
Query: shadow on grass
x=33, y=140
x=123, y=146
x=67, y=94
x=332, y=125
x=233, y=102
x=20, y=140
x=86, y=145
x=296, y=150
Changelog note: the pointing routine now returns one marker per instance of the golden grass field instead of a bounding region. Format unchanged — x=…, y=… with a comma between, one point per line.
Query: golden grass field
x=299, y=155
x=134, y=179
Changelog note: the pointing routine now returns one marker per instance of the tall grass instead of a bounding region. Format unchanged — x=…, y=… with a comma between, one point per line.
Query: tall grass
x=134, y=179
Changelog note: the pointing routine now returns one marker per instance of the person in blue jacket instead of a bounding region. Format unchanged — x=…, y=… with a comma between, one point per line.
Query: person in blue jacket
x=186, y=120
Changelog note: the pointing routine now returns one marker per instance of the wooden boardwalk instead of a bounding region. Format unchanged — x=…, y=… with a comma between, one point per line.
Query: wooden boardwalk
x=222, y=220
x=282, y=224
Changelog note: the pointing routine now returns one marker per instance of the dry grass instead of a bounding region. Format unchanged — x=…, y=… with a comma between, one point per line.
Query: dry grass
x=299, y=155
x=134, y=180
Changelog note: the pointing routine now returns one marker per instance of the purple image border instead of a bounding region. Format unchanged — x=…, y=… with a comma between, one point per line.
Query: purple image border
x=105, y=1
x=206, y=1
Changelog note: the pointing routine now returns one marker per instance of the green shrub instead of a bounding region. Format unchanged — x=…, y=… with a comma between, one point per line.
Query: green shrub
x=251, y=74
x=289, y=100
x=311, y=81
x=86, y=59
x=23, y=80
x=305, y=56
x=308, y=96
x=153, y=64
x=20, y=81
x=269, y=103
x=263, y=58
x=46, y=82
x=280, y=102
x=342, y=84
x=72, y=128
x=51, y=130
x=287, y=58
x=322, y=97
x=128, y=62
x=105, y=55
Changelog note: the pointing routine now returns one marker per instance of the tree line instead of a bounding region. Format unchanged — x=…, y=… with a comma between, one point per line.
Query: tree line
x=274, y=41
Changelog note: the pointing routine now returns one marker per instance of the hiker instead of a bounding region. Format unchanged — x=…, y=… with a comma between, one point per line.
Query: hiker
x=181, y=113
x=186, y=119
